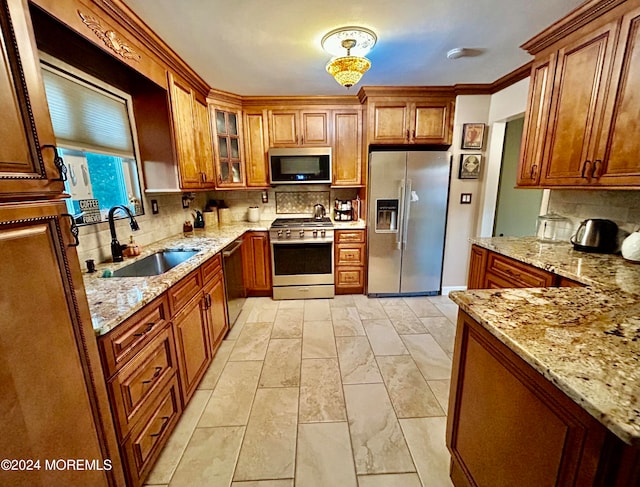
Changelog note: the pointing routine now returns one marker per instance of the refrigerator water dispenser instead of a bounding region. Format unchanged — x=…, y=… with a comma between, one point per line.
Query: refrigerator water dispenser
x=387, y=216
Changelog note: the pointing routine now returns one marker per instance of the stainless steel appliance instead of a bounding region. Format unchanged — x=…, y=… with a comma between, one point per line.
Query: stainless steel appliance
x=319, y=212
x=233, y=280
x=596, y=235
x=297, y=165
x=408, y=198
x=302, y=258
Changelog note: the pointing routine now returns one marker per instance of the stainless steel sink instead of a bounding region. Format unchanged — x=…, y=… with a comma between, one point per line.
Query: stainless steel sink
x=155, y=264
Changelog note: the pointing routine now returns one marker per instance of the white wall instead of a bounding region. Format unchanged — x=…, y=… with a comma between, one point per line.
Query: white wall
x=476, y=219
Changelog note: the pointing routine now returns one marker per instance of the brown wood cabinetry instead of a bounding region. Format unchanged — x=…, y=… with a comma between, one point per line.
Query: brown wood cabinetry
x=256, y=142
x=292, y=127
x=228, y=138
x=256, y=264
x=347, y=147
x=350, y=256
x=508, y=425
x=581, y=116
x=192, y=135
x=409, y=116
x=215, y=301
x=490, y=270
x=27, y=152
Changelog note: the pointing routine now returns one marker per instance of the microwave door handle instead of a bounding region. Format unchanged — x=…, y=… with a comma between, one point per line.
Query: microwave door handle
x=399, y=220
x=406, y=204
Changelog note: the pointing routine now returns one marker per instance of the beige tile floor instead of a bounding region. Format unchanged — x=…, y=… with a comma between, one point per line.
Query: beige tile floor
x=342, y=392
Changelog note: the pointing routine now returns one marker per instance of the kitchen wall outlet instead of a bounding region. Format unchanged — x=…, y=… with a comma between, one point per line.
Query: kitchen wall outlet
x=265, y=197
x=154, y=207
x=465, y=198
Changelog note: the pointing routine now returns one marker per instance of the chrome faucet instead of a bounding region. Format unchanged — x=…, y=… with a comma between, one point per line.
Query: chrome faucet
x=116, y=248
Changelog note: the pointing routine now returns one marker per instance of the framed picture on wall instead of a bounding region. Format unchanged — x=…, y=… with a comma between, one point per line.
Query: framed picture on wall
x=472, y=135
x=470, y=165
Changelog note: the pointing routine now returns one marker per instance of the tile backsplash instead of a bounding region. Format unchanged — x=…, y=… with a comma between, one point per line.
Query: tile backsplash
x=301, y=202
x=623, y=207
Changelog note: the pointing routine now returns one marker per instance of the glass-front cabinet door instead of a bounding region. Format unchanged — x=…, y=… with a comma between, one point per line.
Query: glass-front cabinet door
x=228, y=147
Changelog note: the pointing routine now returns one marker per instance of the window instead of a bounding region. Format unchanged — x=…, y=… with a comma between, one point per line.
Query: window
x=93, y=130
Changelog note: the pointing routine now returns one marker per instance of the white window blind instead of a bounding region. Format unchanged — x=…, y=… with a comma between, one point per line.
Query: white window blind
x=87, y=117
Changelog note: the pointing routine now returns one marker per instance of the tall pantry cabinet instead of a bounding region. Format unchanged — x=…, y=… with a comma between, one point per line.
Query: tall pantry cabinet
x=54, y=401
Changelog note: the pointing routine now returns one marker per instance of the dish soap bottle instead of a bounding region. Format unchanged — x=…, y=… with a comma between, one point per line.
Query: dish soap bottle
x=133, y=249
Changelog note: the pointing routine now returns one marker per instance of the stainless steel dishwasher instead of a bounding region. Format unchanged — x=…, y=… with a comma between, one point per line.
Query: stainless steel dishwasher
x=233, y=280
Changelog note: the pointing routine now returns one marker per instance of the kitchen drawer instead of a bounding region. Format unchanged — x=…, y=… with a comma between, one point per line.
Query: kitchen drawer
x=183, y=291
x=566, y=282
x=517, y=273
x=150, y=434
x=142, y=379
x=345, y=236
x=211, y=267
x=128, y=338
x=349, y=278
x=350, y=254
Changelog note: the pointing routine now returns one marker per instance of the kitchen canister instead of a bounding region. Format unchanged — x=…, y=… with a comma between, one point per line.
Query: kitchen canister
x=224, y=216
x=253, y=214
x=210, y=219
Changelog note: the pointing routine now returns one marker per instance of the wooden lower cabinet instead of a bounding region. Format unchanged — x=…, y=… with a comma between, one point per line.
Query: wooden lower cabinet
x=256, y=264
x=216, y=311
x=350, y=256
x=508, y=425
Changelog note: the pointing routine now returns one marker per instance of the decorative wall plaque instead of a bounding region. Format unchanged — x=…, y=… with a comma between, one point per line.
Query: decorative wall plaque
x=110, y=38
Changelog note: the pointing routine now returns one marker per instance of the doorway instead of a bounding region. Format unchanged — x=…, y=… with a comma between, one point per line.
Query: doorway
x=516, y=209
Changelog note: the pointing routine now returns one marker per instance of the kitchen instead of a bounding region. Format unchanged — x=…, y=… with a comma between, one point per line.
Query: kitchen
x=494, y=109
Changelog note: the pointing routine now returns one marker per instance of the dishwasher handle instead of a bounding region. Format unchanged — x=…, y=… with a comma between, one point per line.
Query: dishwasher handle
x=229, y=253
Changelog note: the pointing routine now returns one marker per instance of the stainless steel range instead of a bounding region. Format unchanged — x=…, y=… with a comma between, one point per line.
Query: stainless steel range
x=302, y=258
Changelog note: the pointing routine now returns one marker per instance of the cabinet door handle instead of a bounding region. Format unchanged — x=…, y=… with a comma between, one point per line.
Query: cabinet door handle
x=58, y=161
x=407, y=134
x=165, y=421
x=155, y=375
x=534, y=170
x=595, y=174
x=74, y=230
x=207, y=300
x=413, y=134
x=584, y=168
x=150, y=325
x=204, y=177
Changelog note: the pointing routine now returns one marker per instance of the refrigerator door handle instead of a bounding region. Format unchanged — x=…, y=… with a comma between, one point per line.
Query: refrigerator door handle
x=400, y=221
x=406, y=206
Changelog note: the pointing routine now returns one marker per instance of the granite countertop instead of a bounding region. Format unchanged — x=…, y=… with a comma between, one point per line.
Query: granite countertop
x=586, y=341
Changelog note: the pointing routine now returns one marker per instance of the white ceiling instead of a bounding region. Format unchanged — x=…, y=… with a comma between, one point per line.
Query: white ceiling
x=272, y=47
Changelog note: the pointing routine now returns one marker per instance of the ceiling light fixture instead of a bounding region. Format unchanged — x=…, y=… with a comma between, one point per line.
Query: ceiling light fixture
x=347, y=70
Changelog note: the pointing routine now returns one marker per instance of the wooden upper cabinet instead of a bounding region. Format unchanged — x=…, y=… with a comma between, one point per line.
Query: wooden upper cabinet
x=581, y=132
x=427, y=120
x=255, y=148
x=616, y=160
x=227, y=122
x=27, y=152
x=192, y=136
x=347, y=147
x=535, y=125
x=299, y=127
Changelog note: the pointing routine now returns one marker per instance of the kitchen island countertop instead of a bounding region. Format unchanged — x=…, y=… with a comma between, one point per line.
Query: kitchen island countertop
x=586, y=341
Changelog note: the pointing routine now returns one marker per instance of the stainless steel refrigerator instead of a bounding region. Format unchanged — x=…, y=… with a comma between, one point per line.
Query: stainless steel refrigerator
x=407, y=211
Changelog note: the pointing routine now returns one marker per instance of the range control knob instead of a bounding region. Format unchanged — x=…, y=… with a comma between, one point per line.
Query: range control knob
x=323, y=233
x=279, y=233
x=301, y=233
x=288, y=233
x=315, y=233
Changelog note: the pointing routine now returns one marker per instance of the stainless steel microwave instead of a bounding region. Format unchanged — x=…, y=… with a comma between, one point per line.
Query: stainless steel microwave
x=300, y=165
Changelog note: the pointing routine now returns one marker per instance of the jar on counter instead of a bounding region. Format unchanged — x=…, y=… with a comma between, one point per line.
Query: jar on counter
x=554, y=228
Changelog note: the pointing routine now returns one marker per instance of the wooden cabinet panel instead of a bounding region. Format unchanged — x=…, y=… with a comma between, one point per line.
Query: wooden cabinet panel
x=283, y=129
x=349, y=236
x=149, y=435
x=347, y=148
x=182, y=111
x=351, y=254
x=566, y=282
x=432, y=122
x=211, y=268
x=134, y=334
x=350, y=280
x=142, y=379
x=216, y=311
x=256, y=147
x=52, y=406
x=180, y=294
x=314, y=128
x=477, y=267
x=390, y=123
x=256, y=264
x=494, y=390
x=204, y=143
x=228, y=144
x=192, y=345
x=517, y=273
x=350, y=257
x=298, y=127
x=27, y=150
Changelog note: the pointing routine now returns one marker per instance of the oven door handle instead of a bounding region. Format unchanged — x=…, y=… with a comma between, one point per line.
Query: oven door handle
x=229, y=253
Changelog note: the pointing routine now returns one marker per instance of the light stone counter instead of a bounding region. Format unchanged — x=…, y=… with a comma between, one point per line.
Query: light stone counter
x=586, y=341
x=352, y=225
x=112, y=300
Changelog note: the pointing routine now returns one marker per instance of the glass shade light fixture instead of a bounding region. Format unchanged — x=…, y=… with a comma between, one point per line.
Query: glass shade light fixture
x=357, y=41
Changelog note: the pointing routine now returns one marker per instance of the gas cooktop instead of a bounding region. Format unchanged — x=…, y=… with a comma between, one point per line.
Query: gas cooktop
x=301, y=222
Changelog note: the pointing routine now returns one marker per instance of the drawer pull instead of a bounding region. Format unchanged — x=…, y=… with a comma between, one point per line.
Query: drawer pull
x=150, y=325
x=154, y=377
x=165, y=421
